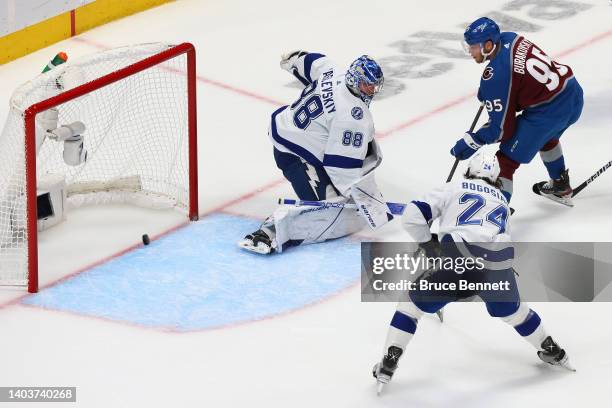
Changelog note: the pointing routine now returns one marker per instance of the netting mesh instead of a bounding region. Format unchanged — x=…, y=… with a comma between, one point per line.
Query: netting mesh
x=136, y=137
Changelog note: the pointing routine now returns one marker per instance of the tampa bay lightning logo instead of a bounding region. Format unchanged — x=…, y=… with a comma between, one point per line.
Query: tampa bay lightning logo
x=357, y=112
x=487, y=74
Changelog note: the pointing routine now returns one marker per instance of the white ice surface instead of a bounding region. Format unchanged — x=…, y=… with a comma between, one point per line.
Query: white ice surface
x=322, y=355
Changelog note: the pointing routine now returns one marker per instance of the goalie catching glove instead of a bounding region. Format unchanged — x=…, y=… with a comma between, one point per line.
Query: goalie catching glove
x=289, y=59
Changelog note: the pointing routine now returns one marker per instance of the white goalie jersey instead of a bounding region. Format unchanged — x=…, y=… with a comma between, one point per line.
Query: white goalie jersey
x=327, y=126
x=470, y=209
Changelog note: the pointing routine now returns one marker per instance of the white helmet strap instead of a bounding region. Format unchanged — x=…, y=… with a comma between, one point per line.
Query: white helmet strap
x=487, y=54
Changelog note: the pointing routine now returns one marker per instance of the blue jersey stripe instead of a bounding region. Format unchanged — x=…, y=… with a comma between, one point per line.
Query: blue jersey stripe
x=300, y=78
x=332, y=160
x=295, y=148
x=424, y=208
x=308, y=60
x=490, y=255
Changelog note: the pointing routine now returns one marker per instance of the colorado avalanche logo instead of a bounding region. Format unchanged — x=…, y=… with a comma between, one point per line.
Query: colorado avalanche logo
x=357, y=113
x=480, y=27
x=487, y=74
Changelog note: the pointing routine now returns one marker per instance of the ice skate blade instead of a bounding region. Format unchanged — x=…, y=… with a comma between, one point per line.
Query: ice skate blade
x=259, y=249
x=565, y=364
x=569, y=368
x=440, y=314
x=561, y=200
x=379, y=387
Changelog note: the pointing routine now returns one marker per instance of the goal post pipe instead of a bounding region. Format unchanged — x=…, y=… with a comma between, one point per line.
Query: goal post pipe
x=76, y=92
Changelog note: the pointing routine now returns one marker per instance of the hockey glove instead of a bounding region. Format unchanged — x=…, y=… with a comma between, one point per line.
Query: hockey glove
x=466, y=146
x=289, y=59
x=432, y=248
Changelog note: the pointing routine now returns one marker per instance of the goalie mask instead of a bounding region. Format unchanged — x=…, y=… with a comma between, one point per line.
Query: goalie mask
x=365, y=78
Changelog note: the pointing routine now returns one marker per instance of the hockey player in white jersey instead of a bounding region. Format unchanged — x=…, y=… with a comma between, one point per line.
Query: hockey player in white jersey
x=324, y=144
x=474, y=221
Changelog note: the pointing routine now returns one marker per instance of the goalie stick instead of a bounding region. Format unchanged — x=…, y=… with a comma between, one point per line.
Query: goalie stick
x=452, y=172
x=394, y=208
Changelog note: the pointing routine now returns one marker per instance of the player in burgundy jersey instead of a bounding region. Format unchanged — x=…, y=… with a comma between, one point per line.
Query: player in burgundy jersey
x=531, y=100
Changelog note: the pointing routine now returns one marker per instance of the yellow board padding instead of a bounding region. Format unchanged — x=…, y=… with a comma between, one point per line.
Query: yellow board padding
x=58, y=28
x=35, y=37
x=103, y=11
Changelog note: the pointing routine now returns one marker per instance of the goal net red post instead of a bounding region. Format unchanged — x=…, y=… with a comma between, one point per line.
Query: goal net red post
x=134, y=109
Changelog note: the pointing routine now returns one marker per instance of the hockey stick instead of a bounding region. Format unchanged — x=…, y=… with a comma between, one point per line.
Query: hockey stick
x=440, y=312
x=452, y=172
x=394, y=208
x=590, y=179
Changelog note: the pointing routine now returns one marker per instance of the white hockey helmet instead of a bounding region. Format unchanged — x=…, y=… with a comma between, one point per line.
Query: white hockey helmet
x=484, y=166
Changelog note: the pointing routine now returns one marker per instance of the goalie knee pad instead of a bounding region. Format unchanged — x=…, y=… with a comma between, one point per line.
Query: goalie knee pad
x=74, y=152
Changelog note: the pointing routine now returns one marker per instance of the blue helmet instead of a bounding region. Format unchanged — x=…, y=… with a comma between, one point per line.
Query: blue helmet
x=482, y=30
x=365, y=73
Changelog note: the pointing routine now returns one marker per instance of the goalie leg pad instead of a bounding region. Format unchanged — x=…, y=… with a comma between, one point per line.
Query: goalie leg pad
x=307, y=225
x=371, y=203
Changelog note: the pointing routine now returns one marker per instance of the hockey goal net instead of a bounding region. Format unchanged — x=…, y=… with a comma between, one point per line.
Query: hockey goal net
x=138, y=107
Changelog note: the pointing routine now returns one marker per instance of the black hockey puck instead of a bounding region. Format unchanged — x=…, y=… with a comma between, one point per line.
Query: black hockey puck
x=145, y=239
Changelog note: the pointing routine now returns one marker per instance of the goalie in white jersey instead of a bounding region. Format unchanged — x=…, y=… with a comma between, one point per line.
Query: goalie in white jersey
x=324, y=144
x=474, y=223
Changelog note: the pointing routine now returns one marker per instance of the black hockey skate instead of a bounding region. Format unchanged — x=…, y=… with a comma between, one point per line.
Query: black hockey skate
x=558, y=190
x=258, y=241
x=552, y=354
x=383, y=371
